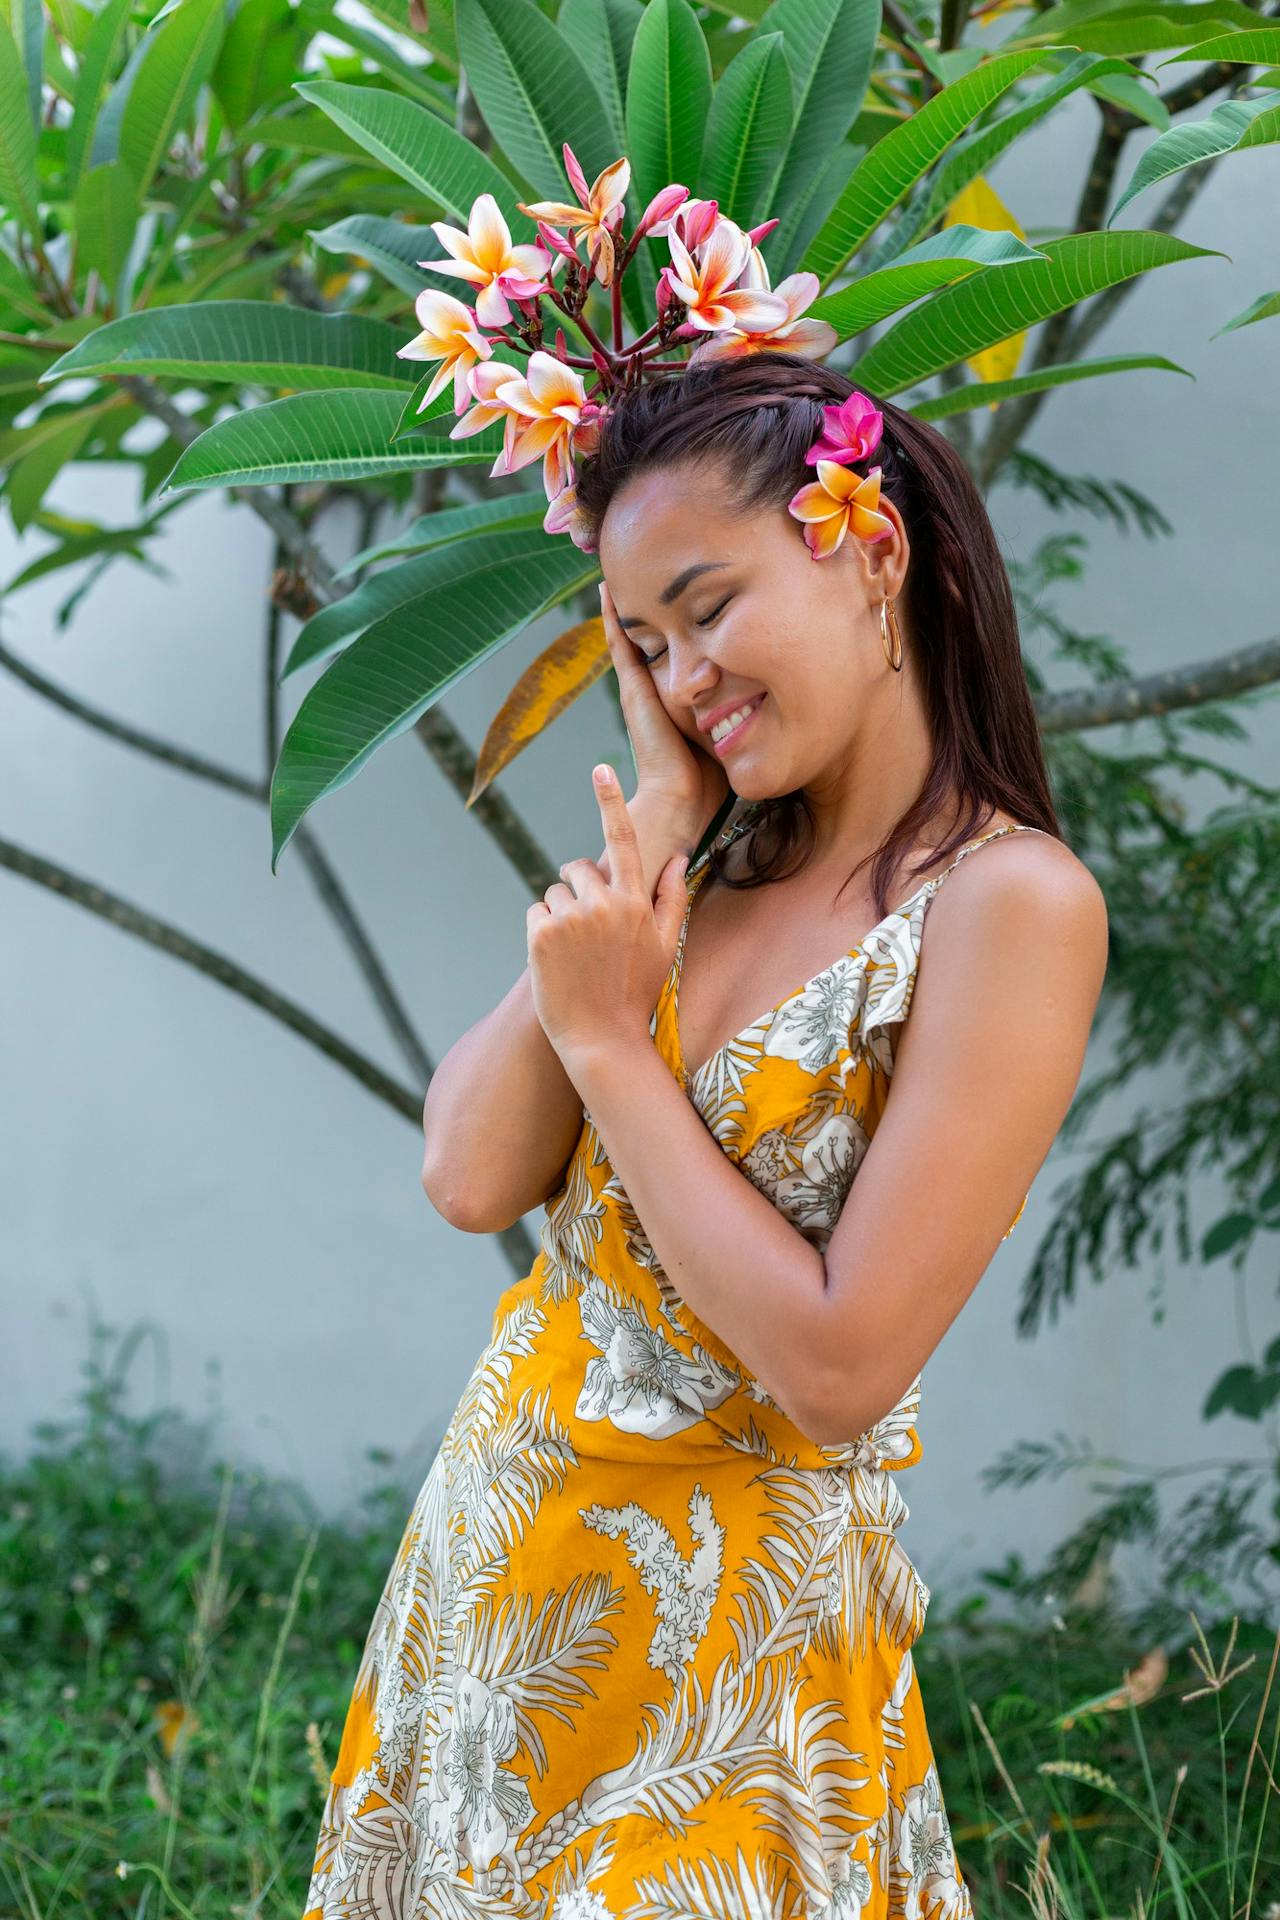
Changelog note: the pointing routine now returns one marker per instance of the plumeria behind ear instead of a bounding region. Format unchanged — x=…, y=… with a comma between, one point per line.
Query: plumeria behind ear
x=841, y=499
x=715, y=291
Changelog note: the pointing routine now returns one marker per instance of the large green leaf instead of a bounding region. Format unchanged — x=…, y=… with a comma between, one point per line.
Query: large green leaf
x=1232, y=123
x=335, y=626
x=747, y=131
x=392, y=246
x=34, y=455
x=178, y=60
x=98, y=60
x=978, y=152
x=18, y=191
x=448, y=171
x=257, y=58
x=1000, y=301
x=259, y=342
x=106, y=204
x=534, y=92
x=668, y=99
x=601, y=33
x=1133, y=30
x=483, y=593
x=454, y=523
x=301, y=131
x=1256, y=46
x=829, y=46
x=944, y=257
x=898, y=160
x=985, y=393
x=320, y=436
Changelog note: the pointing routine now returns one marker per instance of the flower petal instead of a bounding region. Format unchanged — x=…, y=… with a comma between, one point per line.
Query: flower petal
x=490, y=234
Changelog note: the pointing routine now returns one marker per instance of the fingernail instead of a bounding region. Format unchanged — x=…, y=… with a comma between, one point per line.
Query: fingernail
x=604, y=776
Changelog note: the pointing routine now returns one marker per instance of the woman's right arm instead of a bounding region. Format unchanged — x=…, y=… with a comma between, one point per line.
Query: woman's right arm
x=501, y=1116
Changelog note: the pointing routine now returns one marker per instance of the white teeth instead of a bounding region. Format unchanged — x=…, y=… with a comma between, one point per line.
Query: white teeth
x=732, y=720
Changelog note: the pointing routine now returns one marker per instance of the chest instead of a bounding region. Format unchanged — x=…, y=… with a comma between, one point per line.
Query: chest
x=746, y=952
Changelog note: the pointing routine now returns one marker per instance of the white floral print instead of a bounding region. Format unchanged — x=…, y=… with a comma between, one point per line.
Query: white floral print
x=646, y=1647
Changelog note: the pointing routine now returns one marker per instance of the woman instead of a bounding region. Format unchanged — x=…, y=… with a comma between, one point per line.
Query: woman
x=647, y=1642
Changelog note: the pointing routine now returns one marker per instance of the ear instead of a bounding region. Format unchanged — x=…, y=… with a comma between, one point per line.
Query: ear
x=884, y=562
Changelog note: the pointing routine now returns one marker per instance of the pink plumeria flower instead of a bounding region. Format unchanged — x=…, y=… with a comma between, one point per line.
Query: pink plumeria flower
x=811, y=338
x=656, y=217
x=485, y=256
x=451, y=336
x=695, y=222
x=850, y=432
x=707, y=284
x=597, y=215
x=837, y=502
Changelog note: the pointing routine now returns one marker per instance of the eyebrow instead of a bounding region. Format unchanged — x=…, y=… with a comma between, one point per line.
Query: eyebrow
x=677, y=587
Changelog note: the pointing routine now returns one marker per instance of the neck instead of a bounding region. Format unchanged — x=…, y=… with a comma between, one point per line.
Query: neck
x=880, y=774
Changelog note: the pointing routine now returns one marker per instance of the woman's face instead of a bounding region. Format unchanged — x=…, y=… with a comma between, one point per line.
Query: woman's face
x=760, y=621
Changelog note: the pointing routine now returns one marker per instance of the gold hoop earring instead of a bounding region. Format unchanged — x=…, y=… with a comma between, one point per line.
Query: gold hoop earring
x=895, y=657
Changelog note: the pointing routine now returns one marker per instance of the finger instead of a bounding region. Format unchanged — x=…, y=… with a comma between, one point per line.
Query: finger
x=583, y=875
x=558, y=898
x=626, y=868
x=623, y=649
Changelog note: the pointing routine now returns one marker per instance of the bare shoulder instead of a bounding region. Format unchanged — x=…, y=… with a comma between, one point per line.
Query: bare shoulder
x=1020, y=897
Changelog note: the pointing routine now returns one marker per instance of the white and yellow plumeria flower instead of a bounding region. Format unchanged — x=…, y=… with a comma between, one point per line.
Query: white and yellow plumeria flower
x=596, y=216
x=546, y=411
x=811, y=338
x=707, y=283
x=450, y=335
x=485, y=256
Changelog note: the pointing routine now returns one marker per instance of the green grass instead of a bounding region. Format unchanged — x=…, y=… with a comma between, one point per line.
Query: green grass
x=178, y=1641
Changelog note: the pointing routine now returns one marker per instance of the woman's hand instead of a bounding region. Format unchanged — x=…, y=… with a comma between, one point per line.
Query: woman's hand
x=670, y=770
x=599, y=953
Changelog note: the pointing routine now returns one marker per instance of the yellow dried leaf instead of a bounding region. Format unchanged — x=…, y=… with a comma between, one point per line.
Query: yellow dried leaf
x=560, y=674
x=173, y=1721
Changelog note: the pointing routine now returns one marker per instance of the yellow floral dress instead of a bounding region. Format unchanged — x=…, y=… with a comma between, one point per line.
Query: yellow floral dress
x=645, y=1649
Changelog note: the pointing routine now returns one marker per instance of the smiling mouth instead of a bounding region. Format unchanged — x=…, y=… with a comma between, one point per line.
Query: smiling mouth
x=727, y=741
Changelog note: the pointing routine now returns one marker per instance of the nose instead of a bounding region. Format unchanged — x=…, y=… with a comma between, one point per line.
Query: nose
x=690, y=675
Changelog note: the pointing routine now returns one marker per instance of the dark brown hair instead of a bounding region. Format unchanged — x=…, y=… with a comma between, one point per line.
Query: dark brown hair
x=751, y=419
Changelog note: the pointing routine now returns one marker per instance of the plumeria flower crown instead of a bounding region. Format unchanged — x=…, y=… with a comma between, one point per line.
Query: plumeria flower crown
x=715, y=289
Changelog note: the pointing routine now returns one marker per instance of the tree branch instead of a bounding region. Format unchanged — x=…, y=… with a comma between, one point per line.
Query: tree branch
x=122, y=913
x=131, y=736
x=1158, y=693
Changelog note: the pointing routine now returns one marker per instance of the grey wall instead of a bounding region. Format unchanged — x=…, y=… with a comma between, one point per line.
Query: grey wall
x=169, y=1152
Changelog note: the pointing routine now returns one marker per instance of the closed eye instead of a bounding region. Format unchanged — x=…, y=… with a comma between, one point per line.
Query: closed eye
x=651, y=659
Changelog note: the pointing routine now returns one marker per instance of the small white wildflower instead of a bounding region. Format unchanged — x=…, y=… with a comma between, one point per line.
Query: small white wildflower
x=99, y=1564
x=122, y=1869
x=70, y=1691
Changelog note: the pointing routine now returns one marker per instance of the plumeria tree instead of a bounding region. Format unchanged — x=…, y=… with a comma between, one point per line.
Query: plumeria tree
x=549, y=196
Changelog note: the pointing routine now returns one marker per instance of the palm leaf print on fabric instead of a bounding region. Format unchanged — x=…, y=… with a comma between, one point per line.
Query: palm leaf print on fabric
x=645, y=1651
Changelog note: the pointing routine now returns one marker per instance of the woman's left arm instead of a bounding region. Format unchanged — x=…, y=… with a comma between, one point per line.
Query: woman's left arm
x=821, y=1344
